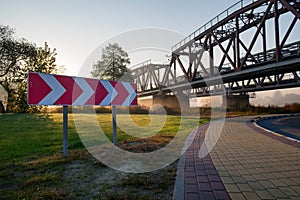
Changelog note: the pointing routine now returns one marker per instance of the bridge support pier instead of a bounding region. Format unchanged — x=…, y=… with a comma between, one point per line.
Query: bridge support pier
x=176, y=102
x=236, y=102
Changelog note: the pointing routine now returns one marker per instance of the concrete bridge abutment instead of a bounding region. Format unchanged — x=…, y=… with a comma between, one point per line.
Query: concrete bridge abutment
x=172, y=102
x=236, y=102
x=176, y=102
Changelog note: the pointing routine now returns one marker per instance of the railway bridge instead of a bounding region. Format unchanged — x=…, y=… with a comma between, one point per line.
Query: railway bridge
x=254, y=45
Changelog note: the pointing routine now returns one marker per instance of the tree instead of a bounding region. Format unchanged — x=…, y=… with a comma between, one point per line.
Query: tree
x=43, y=61
x=12, y=51
x=112, y=64
x=17, y=58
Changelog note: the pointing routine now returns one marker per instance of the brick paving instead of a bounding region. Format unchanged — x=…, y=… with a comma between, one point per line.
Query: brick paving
x=244, y=164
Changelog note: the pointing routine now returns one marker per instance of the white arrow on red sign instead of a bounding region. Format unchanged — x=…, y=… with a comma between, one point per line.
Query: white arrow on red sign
x=48, y=89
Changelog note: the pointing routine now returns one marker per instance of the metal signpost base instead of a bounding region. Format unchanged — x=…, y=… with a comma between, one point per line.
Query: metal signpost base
x=114, y=123
x=65, y=130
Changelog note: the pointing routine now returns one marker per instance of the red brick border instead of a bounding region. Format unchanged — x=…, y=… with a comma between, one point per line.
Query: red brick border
x=202, y=180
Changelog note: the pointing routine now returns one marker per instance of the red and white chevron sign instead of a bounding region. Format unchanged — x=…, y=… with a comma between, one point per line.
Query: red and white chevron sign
x=48, y=89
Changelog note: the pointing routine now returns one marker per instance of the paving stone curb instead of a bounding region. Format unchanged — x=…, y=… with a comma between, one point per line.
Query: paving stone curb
x=257, y=120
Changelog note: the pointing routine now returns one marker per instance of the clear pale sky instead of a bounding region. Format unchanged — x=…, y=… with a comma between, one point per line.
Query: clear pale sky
x=77, y=27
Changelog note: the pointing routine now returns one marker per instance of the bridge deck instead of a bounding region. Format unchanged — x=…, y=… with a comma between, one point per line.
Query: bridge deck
x=246, y=163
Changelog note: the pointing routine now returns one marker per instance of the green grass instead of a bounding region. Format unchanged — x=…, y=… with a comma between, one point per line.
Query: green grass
x=32, y=165
x=24, y=135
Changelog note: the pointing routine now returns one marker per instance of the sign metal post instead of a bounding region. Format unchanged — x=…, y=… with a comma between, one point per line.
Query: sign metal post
x=65, y=131
x=114, y=123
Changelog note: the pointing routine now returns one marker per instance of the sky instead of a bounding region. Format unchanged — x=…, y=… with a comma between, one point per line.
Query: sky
x=77, y=27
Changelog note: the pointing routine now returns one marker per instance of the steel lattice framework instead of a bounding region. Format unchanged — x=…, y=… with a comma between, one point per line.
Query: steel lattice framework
x=245, y=46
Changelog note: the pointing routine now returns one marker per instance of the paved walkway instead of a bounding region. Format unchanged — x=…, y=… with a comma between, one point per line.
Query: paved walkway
x=246, y=163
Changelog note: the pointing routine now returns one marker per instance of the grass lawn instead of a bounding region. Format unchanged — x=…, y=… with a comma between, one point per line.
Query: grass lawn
x=32, y=165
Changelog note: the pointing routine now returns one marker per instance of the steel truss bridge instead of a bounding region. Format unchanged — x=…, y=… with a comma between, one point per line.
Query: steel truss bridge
x=246, y=48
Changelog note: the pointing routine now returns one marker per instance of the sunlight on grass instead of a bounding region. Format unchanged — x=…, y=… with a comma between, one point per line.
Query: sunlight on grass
x=134, y=126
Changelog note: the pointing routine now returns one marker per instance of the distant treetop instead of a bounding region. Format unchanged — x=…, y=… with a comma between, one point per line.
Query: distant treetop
x=112, y=64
